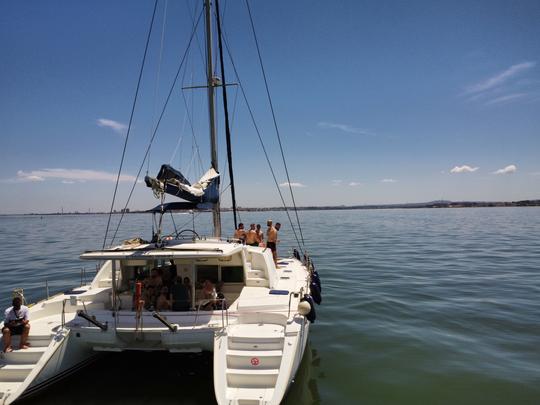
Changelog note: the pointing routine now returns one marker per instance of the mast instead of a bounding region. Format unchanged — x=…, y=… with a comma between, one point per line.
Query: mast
x=226, y=112
x=212, y=110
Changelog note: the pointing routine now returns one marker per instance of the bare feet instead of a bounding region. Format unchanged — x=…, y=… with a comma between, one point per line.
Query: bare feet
x=24, y=347
x=8, y=349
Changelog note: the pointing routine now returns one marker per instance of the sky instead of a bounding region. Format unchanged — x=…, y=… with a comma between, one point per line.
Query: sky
x=376, y=102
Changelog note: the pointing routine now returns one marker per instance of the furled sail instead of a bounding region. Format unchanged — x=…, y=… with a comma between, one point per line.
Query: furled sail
x=171, y=181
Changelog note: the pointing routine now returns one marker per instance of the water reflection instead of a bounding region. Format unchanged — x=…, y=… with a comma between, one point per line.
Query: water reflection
x=304, y=390
x=160, y=377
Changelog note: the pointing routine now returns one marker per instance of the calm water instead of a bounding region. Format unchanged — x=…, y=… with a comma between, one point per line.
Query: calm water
x=437, y=306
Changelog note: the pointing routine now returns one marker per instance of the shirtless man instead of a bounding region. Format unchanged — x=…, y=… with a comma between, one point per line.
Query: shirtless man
x=16, y=322
x=240, y=233
x=251, y=236
x=271, y=239
x=260, y=234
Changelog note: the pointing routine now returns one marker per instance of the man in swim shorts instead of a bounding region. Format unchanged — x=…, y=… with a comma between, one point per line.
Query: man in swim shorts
x=16, y=322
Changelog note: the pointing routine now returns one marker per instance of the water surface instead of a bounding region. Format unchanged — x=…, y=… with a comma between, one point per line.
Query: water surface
x=420, y=306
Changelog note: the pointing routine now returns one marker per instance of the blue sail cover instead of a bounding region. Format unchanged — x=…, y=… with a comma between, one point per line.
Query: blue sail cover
x=171, y=181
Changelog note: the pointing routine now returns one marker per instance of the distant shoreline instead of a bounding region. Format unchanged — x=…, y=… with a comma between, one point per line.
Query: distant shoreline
x=431, y=204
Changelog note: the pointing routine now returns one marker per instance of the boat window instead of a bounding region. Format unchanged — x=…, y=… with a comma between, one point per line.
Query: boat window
x=232, y=274
x=207, y=273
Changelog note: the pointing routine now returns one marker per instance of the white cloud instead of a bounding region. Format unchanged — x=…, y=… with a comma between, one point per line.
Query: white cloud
x=345, y=128
x=354, y=184
x=463, y=169
x=337, y=182
x=286, y=184
x=69, y=176
x=506, y=99
x=33, y=178
x=116, y=126
x=500, y=78
x=507, y=170
x=388, y=181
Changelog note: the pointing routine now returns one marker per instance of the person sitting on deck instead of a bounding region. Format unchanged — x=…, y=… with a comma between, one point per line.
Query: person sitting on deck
x=240, y=233
x=251, y=236
x=187, y=283
x=209, y=294
x=149, y=297
x=16, y=322
x=180, y=296
x=166, y=276
x=155, y=280
x=163, y=303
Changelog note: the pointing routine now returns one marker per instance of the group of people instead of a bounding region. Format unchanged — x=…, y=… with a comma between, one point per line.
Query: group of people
x=164, y=290
x=255, y=236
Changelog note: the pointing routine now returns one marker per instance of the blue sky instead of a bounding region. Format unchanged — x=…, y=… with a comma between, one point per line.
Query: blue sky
x=376, y=102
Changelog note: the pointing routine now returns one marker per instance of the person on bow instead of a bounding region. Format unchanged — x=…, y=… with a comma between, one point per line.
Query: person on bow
x=16, y=322
x=272, y=238
x=240, y=233
x=260, y=234
x=251, y=236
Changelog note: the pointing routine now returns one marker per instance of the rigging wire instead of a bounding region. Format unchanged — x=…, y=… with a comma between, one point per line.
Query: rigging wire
x=200, y=212
x=261, y=142
x=192, y=15
x=130, y=122
x=274, y=119
x=158, y=73
x=181, y=136
x=195, y=145
x=157, y=127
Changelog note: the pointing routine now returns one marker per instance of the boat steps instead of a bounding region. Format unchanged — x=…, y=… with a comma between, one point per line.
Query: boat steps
x=241, y=378
x=254, y=359
x=104, y=283
x=16, y=366
x=247, y=363
x=33, y=341
x=250, y=396
x=6, y=387
x=257, y=282
x=14, y=372
x=255, y=273
x=256, y=330
x=260, y=337
x=27, y=356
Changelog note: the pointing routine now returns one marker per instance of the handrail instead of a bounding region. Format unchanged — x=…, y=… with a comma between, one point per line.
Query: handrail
x=296, y=294
x=84, y=315
x=224, y=310
x=81, y=313
x=159, y=317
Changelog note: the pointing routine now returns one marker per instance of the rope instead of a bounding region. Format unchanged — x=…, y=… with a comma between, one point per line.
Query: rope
x=155, y=130
x=130, y=121
x=275, y=121
x=158, y=73
x=261, y=142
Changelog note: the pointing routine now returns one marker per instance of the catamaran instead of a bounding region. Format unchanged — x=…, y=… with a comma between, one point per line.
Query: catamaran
x=227, y=297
